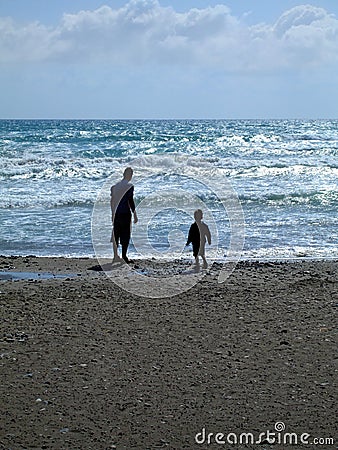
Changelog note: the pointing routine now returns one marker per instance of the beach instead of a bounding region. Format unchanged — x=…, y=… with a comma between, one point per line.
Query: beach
x=88, y=365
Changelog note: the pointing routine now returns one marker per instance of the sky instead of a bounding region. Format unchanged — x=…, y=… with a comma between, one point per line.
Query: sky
x=119, y=59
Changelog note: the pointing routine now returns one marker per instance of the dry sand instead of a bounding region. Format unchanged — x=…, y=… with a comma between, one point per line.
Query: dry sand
x=86, y=365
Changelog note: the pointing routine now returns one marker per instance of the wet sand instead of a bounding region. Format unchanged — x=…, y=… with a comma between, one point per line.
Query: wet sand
x=87, y=365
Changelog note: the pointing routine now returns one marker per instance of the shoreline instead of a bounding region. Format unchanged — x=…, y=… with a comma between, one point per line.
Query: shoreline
x=42, y=268
x=87, y=365
x=185, y=258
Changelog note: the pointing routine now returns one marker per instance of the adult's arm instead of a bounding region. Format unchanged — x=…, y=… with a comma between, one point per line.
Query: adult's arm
x=131, y=199
x=112, y=202
x=131, y=203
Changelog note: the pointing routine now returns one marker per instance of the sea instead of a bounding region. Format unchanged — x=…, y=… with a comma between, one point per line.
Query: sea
x=266, y=187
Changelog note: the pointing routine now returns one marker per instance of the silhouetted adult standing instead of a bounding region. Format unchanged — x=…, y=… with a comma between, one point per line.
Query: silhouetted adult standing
x=122, y=207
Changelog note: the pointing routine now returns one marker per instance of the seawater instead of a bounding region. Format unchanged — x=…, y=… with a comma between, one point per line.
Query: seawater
x=284, y=173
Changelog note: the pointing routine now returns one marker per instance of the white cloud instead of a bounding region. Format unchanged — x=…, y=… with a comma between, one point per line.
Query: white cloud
x=304, y=15
x=307, y=35
x=143, y=32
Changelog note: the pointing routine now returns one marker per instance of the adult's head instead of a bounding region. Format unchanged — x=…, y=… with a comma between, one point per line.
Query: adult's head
x=128, y=173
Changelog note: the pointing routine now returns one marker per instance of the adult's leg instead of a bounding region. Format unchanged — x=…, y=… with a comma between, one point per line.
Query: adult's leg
x=125, y=235
x=116, y=237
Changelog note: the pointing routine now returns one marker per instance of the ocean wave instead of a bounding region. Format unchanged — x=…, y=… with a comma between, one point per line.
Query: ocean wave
x=312, y=198
x=90, y=139
x=42, y=203
x=284, y=253
x=276, y=170
x=168, y=199
x=49, y=169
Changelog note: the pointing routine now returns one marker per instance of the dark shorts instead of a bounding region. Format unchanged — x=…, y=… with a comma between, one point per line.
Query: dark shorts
x=198, y=249
x=121, y=229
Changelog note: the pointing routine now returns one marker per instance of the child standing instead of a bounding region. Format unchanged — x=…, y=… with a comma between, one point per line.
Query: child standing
x=199, y=233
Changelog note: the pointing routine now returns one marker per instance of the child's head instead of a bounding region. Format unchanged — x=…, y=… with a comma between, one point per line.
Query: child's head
x=198, y=215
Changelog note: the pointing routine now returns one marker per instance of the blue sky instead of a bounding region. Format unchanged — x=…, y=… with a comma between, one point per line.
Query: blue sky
x=168, y=59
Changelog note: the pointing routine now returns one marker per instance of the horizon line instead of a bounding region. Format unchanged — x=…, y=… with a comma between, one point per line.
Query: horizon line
x=167, y=118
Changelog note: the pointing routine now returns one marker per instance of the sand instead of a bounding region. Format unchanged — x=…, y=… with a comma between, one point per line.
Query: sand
x=87, y=365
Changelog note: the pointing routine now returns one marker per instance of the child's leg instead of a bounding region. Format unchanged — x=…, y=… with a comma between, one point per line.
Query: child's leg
x=202, y=255
x=195, y=250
